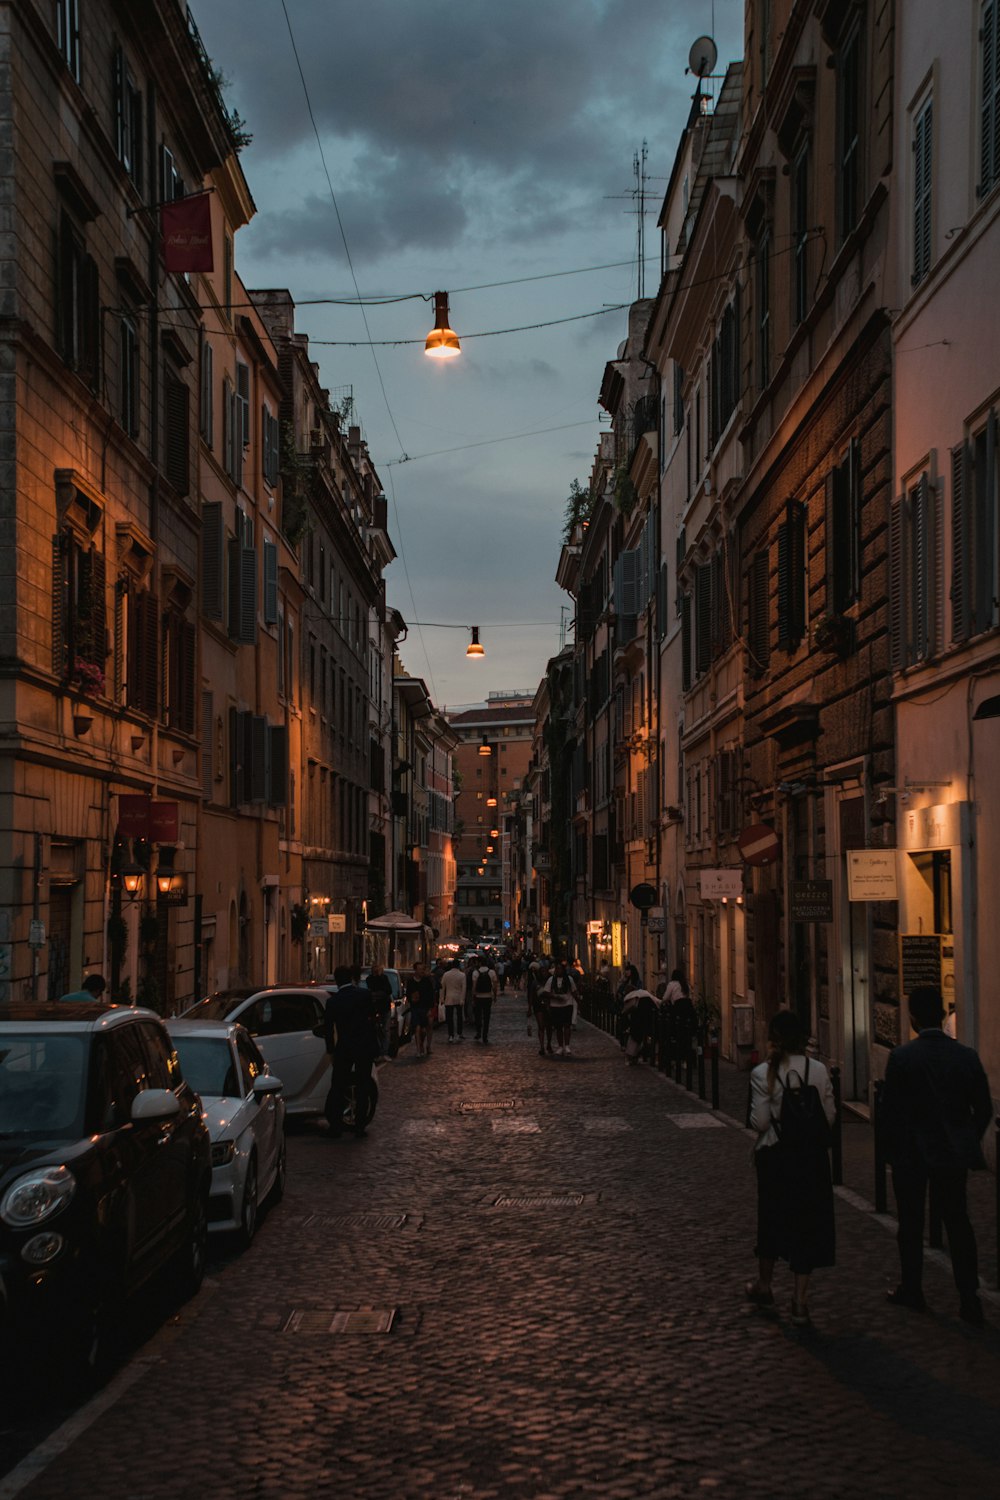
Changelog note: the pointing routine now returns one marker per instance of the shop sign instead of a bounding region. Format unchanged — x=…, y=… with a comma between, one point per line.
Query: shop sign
x=337, y=922
x=616, y=945
x=871, y=875
x=36, y=934
x=723, y=883
x=594, y=929
x=318, y=927
x=657, y=919
x=919, y=960
x=811, y=900
x=139, y=817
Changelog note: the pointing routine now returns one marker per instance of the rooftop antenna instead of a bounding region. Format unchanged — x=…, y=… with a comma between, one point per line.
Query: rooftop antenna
x=702, y=59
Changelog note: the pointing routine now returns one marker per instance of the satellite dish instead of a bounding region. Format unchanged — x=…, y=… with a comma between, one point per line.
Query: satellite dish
x=703, y=57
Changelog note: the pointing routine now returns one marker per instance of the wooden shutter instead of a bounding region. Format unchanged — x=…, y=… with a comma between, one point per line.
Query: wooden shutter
x=960, y=580
x=984, y=522
x=207, y=745
x=92, y=621
x=259, y=757
x=918, y=559
x=185, y=646
x=277, y=792
x=661, y=601
x=989, y=118
x=791, y=576
x=176, y=456
x=897, y=588
x=758, y=621
x=685, y=603
x=227, y=426
x=119, y=666
x=144, y=654
x=236, y=796
x=207, y=392
x=60, y=612
x=922, y=162
x=270, y=583
x=212, y=559
x=243, y=404
x=247, y=632
x=702, y=617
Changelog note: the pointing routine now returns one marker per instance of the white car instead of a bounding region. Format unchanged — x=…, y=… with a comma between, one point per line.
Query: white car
x=245, y=1115
x=286, y=1022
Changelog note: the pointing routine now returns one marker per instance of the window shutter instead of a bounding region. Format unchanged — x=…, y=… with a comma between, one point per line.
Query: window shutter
x=118, y=91
x=243, y=404
x=186, y=641
x=758, y=622
x=661, y=601
x=90, y=321
x=176, y=447
x=922, y=162
x=144, y=663
x=119, y=666
x=207, y=744
x=791, y=577
x=936, y=567
x=277, y=792
x=989, y=121
x=960, y=581
x=270, y=583
x=685, y=604
x=207, y=394
x=60, y=551
x=897, y=586
x=248, y=596
x=703, y=632
x=236, y=796
x=212, y=559
x=259, y=757
x=919, y=571
x=227, y=426
x=91, y=609
x=984, y=521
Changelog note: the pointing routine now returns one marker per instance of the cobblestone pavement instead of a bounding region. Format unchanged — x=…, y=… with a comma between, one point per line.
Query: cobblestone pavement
x=564, y=1242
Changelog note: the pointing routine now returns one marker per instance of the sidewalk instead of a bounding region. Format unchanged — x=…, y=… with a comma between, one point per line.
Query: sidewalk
x=526, y=1283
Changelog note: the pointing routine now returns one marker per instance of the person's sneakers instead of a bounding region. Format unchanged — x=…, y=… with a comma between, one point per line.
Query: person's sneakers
x=971, y=1311
x=565, y=1052
x=800, y=1315
x=903, y=1297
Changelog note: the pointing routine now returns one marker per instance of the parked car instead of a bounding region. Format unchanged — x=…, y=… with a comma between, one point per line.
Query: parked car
x=104, y=1171
x=245, y=1114
x=286, y=1022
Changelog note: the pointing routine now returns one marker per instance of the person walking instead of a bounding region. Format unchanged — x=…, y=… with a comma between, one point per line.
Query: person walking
x=561, y=992
x=935, y=1107
x=538, y=1007
x=352, y=1039
x=682, y=1022
x=485, y=987
x=629, y=981
x=453, y=997
x=794, y=1189
x=640, y=1014
x=423, y=1000
x=380, y=989
x=93, y=988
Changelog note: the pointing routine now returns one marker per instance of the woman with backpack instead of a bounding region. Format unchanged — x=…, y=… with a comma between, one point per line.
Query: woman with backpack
x=792, y=1109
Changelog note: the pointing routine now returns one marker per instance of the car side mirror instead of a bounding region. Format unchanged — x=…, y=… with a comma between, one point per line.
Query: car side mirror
x=266, y=1083
x=154, y=1104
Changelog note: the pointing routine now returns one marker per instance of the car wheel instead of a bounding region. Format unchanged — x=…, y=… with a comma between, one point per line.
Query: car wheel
x=248, y=1208
x=280, y=1172
x=189, y=1265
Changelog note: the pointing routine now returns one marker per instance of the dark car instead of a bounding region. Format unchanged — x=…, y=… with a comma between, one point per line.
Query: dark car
x=105, y=1169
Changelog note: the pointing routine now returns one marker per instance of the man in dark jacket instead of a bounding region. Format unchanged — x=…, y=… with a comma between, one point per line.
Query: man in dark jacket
x=352, y=1040
x=935, y=1106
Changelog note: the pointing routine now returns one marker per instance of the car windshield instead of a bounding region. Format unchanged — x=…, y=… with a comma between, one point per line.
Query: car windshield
x=216, y=1007
x=43, y=1086
x=207, y=1064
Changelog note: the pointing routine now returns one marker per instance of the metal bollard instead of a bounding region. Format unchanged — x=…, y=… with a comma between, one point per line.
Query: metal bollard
x=881, y=1201
x=701, y=1072
x=715, y=1077
x=837, y=1140
x=688, y=1069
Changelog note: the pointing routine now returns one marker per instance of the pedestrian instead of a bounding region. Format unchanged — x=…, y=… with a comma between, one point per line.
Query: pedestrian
x=629, y=981
x=935, y=1106
x=423, y=1003
x=538, y=1007
x=93, y=988
x=516, y=970
x=794, y=1190
x=485, y=988
x=453, y=996
x=561, y=992
x=681, y=1022
x=640, y=1014
x=380, y=989
x=352, y=1039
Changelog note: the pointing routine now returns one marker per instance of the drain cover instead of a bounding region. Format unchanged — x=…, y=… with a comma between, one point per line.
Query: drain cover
x=541, y=1200
x=474, y=1108
x=366, y=1320
x=354, y=1221
x=700, y=1121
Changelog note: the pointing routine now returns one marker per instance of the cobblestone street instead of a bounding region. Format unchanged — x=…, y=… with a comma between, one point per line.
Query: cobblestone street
x=562, y=1244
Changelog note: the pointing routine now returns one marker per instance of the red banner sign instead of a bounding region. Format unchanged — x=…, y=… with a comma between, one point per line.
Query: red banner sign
x=186, y=227
x=139, y=817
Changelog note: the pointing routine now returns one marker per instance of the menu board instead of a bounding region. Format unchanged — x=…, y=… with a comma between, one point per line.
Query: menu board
x=919, y=960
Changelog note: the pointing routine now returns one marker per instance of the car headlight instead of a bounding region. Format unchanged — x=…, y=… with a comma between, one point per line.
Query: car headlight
x=37, y=1196
x=223, y=1153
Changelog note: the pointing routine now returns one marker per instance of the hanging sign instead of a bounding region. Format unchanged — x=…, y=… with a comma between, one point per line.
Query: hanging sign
x=336, y=922
x=871, y=874
x=186, y=228
x=140, y=817
x=643, y=896
x=716, y=884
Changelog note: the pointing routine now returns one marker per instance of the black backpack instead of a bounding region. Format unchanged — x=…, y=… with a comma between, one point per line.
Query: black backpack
x=802, y=1128
x=484, y=982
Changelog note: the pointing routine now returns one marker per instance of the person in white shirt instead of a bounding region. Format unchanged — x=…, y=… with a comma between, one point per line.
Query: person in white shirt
x=453, y=999
x=561, y=991
x=794, y=1200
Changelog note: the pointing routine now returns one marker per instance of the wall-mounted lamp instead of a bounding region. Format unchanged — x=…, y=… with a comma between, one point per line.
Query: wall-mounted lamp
x=485, y=748
x=132, y=876
x=494, y=833
x=474, y=648
x=491, y=802
x=442, y=341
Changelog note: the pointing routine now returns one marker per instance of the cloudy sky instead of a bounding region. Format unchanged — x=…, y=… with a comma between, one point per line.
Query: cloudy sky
x=466, y=144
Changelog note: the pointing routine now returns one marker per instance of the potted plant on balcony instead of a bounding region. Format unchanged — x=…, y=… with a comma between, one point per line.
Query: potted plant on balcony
x=86, y=678
x=835, y=634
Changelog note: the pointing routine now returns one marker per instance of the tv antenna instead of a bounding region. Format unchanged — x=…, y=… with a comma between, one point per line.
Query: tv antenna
x=702, y=58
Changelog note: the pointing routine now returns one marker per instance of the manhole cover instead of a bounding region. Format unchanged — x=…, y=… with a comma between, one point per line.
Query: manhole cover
x=354, y=1221
x=366, y=1320
x=516, y=1127
x=701, y=1121
x=606, y=1125
x=474, y=1108
x=540, y=1200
